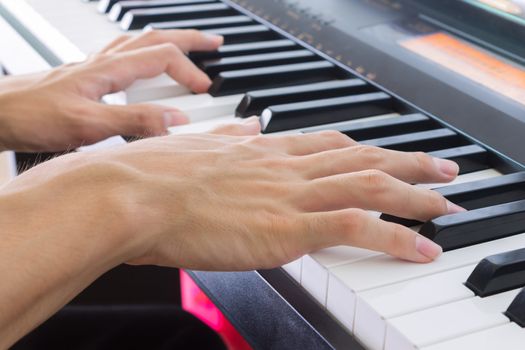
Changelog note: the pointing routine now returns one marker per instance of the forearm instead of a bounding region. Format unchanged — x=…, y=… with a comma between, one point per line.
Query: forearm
x=54, y=242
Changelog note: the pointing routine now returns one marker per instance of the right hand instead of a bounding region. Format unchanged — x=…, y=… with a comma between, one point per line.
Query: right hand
x=220, y=202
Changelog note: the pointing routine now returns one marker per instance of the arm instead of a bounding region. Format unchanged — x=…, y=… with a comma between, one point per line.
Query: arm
x=60, y=109
x=209, y=202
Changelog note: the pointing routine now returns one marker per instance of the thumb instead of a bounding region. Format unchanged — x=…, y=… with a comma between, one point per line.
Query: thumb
x=142, y=119
x=247, y=127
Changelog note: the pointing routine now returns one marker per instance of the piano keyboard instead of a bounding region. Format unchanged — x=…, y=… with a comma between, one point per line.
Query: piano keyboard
x=385, y=303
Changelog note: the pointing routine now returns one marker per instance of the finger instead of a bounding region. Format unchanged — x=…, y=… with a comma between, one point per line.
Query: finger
x=247, y=127
x=185, y=40
x=355, y=227
x=124, y=68
x=116, y=42
x=373, y=190
x=412, y=167
x=139, y=119
x=305, y=144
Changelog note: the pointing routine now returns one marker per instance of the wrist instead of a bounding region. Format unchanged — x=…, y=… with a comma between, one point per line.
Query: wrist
x=63, y=224
x=76, y=202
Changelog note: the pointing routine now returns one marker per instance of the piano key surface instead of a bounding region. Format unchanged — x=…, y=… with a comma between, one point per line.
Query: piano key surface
x=71, y=29
x=447, y=321
x=347, y=281
x=375, y=307
x=509, y=337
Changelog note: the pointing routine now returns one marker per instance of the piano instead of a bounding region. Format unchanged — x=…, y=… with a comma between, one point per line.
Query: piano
x=443, y=77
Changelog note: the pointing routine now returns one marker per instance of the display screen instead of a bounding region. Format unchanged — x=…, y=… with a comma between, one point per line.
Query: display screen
x=471, y=62
x=514, y=9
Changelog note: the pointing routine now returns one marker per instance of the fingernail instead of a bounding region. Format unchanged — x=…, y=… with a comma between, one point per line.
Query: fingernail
x=173, y=118
x=447, y=167
x=454, y=208
x=213, y=38
x=426, y=247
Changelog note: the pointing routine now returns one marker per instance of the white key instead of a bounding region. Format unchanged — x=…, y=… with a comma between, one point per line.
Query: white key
x=110, y=142
x=375, y=306
x=339, y=291
x=204, y=106
x=469, y=177
x=156, y=88
x=50, y=34
x=507, y=337
x=7, y=167
x=199, y=127
x=449, y=321
x=294, y=269
x=347, y=280
x=204, y=126
x=315, y=267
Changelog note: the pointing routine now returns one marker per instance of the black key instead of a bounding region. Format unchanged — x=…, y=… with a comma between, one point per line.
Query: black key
x=245, y=49
x=214, y=67
x=104, y=6
x=478, y=194
x=316, y=112
x=476, y=226
x=254, y=102
x=516, y=310
x=410, y=123
x=237, y=35
x=469, y=158
x=202, y=24
x=424, y=141
x=239, y=81
x=122, y=7
x=138, y=19
x=498, y=273
x=370, y=129
x=484, y=193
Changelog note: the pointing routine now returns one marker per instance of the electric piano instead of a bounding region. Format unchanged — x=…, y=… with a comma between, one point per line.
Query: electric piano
x=443, y=77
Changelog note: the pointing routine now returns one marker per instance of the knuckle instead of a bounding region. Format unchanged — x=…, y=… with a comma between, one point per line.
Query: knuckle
x=436, y=202
x=423, y=161
x=170, y=48
x=153, y=35
x=336, y=138
x=277, y=163
x=259, y=140
x=375, y=180
x=240, y=148
x=353, y=222
x=373, y=156
x=397, y=241
x=281, y=231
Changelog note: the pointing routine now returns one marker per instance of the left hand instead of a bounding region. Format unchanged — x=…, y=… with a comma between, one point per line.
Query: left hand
x=61, y=109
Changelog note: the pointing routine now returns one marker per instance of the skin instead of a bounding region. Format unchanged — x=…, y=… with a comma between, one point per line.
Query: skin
x=65, y=111
x=228, y=200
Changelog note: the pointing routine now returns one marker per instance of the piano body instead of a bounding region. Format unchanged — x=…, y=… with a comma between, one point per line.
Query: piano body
x=443, y=77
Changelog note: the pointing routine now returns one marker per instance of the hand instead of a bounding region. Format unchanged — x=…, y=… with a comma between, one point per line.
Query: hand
x=208, y=202
x=60, y=109
x=217, y=202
